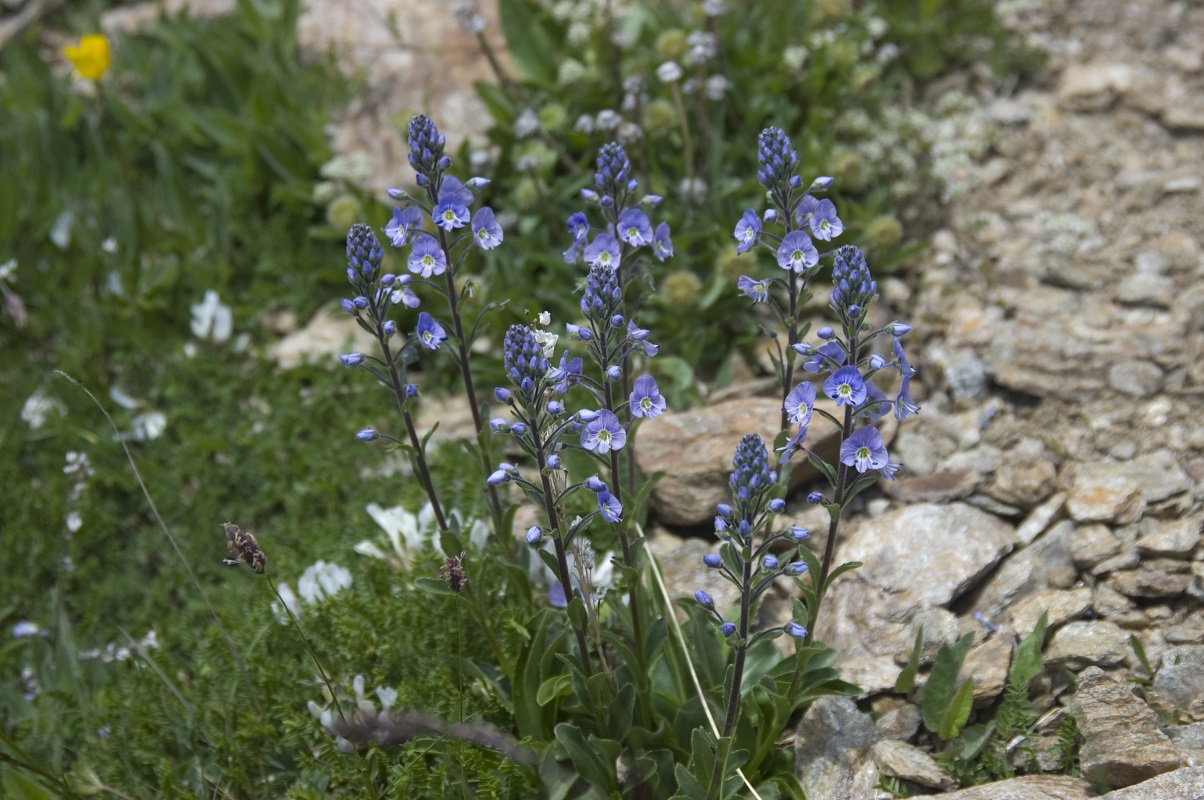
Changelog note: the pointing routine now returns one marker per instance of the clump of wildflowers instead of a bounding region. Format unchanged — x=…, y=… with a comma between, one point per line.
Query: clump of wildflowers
x=801, y=218
x=745, y=559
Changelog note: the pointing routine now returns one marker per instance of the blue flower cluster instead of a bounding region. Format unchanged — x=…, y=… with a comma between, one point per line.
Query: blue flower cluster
x=745, y=558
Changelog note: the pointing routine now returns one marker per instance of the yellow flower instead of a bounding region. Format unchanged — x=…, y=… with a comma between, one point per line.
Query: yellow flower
x=92, y=58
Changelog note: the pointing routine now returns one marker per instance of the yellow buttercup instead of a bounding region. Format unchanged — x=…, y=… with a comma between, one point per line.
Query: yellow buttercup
x=92, y=57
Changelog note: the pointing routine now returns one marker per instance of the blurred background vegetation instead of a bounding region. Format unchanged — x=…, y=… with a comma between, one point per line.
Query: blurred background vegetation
x=199, y=163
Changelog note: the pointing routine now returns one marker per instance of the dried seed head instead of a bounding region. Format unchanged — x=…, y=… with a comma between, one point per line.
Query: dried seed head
x=452, y=571
x=246, y=549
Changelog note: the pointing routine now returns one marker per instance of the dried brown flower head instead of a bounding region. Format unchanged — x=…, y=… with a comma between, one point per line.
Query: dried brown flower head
x=452, y=571
x=246, y=549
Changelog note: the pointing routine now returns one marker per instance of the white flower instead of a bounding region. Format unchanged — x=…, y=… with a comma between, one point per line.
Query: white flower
x=74, y=521
x=669, y=72
x=409, y=533
x=608, y=120
x=322, y=580
x=212, y=319
x=8, y=271
x=109, y=245
x=527, y=124
x=545, y=318
x=38, y=407
x=149, y=425
x=60, y=232
x=713, y=8
x=717, y=87
x=387, y=697
x=290, y=602
x=584, y=124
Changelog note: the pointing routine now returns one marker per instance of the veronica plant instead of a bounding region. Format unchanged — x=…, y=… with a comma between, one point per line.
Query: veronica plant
x=436, y=256
x=375, y=292
x=745, y=559
x=793, y=217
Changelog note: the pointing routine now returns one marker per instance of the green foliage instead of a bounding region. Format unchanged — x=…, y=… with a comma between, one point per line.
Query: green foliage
x=946, y=705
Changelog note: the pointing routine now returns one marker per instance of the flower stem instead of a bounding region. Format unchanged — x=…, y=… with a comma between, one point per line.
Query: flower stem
x=424, y=473
x=733, y=700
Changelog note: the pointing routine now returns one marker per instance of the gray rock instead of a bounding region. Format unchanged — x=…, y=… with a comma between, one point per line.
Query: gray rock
x=1028, y=787
x=987, y=665
x=694, y=449
x=1044, y=564
x=1092, y=544
x=1189, y=741
x=1182, y=784
x=1135, y=378
x=681, y=561
x=1038, y=520
x=1120, y=491
x=900, y=723
x=1122, y=743
x=832, y=747
x=1149, y=583
x=1181, y=688
x=1100, y=643
x=1059, y=605
x=940, y=630
x=1174, y=538
x=902, y=760
x=936, y=487
x=918, y=557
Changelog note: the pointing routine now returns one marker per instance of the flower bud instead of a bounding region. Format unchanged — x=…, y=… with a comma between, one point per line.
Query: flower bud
x=704, y=599
x=352, y=359
x=534, y=534
x=795, y=630
x=366, y=435
x=712, y=560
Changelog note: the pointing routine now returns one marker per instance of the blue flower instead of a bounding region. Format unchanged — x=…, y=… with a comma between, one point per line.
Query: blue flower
x=595, y=484
x=815, y=498
x=602, y=296
x=640, y=337
x=662, y=245
x=485, y=229
x=751, y=477
x=603, y=251
x=712, y=560
x=430, y=334
x=604, y=434
x=776, y=158
x=646, y=399
x=534, y=534
x=609, y=507
x=905, y=369
x=797, y=253
x=727, y=628
x=366, y=435
x=748, y=231
x=898, y=329
x=405, y=296
x=797, y=533
x=404, y=221
x=522, y=358
x=852, y=285
x=827, y=356
x=845, y=386
x=352, y=359
x=824, y=222
x=796, y=567
x=795, y=442
x=426, y=146
x=704, y=599
x=578, y=226
x=770, y=562
x=364, y=252
x=757, y=290
x=904, y=405
x=426, y=257
x=634, y=228
x=795, y=630
x=864, y=450
x=450, y=214
x=569, y=372
x=800, y=402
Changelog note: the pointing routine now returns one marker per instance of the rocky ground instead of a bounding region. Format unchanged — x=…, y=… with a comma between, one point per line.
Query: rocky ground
x=1057, y=462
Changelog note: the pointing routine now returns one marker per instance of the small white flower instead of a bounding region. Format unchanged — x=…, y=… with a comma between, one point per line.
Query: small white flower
x=149, y=425
x=527, y=124
x=38, y=406
x=109, y=245
x=60, y=232
x=212, y=319
x=584, y=124
x=8, y=271
x=387, y=697
x=74, y=521
x=545, y=318
x=714, y=8
x=669, y=72
x=608, y=120
x=717, y=87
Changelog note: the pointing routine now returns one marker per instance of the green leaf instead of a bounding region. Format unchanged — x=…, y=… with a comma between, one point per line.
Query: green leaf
x=494, y=98
x=585, y=757
x=553, y=688
x=863, y=483
x=940, y=689
x=531, y=46
x=955, y=716
x=688, y=787
x=1134, y=642
x=907, y=678
x=433, y=585
x=1027, y=663
x=824, y=467
x=836, y=573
